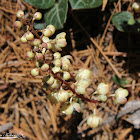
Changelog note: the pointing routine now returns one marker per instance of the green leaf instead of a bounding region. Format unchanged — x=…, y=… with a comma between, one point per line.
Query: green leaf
x=42, y=4
x=39, y=25
x=85, y=4
x=121, y=20
x=57, y=14
x=120, y=81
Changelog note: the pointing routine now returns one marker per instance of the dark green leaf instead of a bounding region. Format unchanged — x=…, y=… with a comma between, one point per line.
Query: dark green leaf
x=42, y=4
x=57, y=14
x=121, y=20
x=85, y=4
x=120, y=81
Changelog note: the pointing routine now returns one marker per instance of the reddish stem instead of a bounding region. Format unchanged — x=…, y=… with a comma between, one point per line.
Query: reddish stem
x=73, y=90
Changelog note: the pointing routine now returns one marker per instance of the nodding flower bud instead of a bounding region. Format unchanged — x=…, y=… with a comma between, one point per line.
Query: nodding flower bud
x=120, y=95
x=67, y=109
x=83, y=74
x=61, y=36
x=20, y=14
x=39, y=56
x=57, y=55
x=45, y=39
x=30, y=55
x=23, y=39
x=57, y=62
x=47, y=32
x=35, y=72
x=52, y=28
x=56, y=84
x=56, y=69
x=29, y=36
x=18, y=24
x=102, y=98
x=103, y=88
x=61, y=43
x=66, y=75
x=94, y=121
x=45, y=67
x=80, y=89
x=36, y=42
x=37, y=16
x=62, y=95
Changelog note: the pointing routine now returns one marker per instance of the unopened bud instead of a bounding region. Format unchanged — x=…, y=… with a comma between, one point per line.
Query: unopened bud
x=57, y=55
x=36, y=42
x=83, y=74
x=62, y=95
x=66, y=75
x=65, y=67
x=20, y=14
x=37, y=64
x=56, y=84
x=39, y=56
x=61, y=43
x=121, y=100
x=56, y=69
x=35, y=49
x=67, y=109
x=35, y=72
x=57, y=62
x=50, y=81
x=102, y=98
x=45, y=39
x=44, y=67
x=77, y=107
x=18, y=24
x=37, y=16
x=83, y=82
x=103, y=88
x=29, y=36
x=47, y=32
x=93, y=121
x=49, y=45
x=23, y=39
x=80, y=89
x=52, y=28
x=121, y=93
x=61, y=36
x=30, y=55
x=43, y=50
x=44, y=45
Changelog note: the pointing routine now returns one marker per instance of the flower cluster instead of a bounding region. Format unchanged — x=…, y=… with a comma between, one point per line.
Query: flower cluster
x=66, y=86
